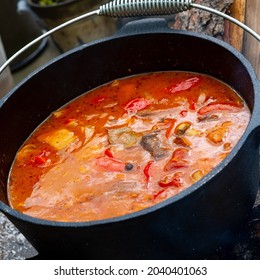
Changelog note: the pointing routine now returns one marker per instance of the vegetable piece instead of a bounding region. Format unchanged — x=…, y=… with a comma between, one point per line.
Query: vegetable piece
x=170, y=128
x=137, y=105
x=158, y=193
x=192, y=104
x=203, y=118
x=201, y=98
x=152, y=144
x=194, y=132
x=110, y=164
x=109, y=153
x=58, y=139
x=227, y=146
x=182, y=141
x=26, y=152
x=184, y=113
x=197, y=175
x=181, y=128
x=171, y=181
x=40, y=159
x=218, y=134
x=124, y=135
x=71, y=122
x=187, y=84
x=212, y=107
x=89, y=132
x=115, y=83
x=177, y=160
x=146, y=171
x=59, y=113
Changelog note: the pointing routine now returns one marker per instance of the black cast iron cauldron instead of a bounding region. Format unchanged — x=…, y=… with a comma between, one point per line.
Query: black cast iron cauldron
x=192, y=225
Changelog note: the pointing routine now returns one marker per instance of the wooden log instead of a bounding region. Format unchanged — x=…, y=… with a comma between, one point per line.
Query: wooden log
x=251, y=47
x=201, y=21
x=236, y=33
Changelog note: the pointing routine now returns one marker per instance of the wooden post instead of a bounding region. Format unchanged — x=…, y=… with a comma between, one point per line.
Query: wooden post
x=236, y=33
x=251, y=47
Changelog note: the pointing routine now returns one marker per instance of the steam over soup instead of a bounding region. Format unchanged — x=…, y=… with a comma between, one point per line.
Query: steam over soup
x=126, y=146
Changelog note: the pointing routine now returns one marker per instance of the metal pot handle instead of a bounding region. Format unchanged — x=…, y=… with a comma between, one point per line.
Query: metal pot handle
x=130, y=8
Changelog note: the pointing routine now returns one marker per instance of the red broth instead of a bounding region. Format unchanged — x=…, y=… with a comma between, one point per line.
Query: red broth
x=126, y=146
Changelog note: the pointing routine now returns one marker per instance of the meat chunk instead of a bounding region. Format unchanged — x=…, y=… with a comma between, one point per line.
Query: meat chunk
x=152, y=144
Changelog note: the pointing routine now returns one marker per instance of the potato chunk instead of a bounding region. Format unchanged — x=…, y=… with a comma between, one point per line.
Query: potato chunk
x=58, y=139
x=219, y=133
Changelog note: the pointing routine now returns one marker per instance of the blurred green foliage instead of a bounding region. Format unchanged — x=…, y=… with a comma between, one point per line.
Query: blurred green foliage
x=50, y=2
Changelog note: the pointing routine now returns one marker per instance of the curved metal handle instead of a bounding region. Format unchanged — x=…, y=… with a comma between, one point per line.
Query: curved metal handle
x=132, y=8
x=44, y=35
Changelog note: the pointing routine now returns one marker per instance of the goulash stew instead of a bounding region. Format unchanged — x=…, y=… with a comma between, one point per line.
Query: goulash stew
x=126, y=146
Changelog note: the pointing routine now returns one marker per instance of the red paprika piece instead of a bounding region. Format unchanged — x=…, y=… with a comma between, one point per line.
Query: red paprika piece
x=146, y=171
x=178, y=160
x=184, y=85
x=110, y=164
x=212, y=107
x=137, y=104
